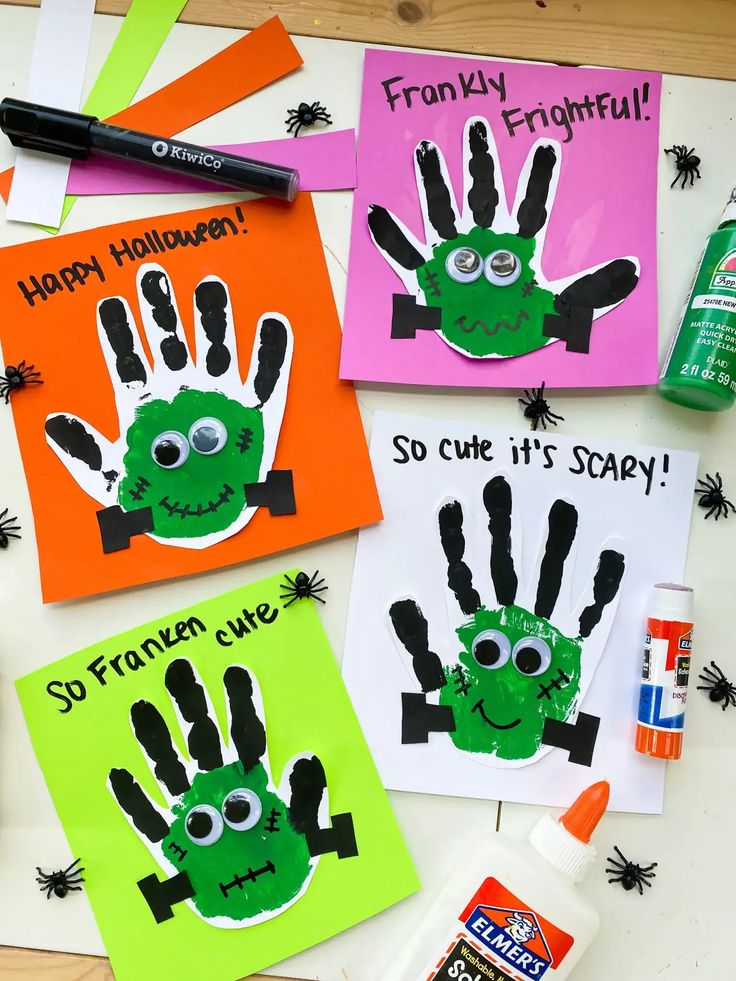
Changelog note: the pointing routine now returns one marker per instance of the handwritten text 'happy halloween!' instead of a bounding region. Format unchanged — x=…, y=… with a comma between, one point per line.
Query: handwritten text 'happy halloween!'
x=565, y=115
x=579, y=459
x=38, y=287
x=104, y=669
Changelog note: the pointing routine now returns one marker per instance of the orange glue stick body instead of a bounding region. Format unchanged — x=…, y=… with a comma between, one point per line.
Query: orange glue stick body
x=665, y=672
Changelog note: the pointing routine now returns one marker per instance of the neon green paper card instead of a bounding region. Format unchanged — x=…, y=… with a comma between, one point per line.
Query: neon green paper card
x=226, y=808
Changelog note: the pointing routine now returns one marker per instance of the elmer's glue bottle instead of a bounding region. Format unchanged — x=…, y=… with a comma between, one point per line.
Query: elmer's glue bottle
x=512, y=912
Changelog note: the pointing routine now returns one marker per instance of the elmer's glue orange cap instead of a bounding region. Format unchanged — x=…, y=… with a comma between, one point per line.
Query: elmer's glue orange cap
x=581, y=818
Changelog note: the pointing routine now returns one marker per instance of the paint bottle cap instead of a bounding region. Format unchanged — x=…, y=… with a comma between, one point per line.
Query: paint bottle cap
x=565, y=843
x=672, y=602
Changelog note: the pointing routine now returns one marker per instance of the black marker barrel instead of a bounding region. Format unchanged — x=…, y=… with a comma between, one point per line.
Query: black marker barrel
x=71, y=134
x=190, y=160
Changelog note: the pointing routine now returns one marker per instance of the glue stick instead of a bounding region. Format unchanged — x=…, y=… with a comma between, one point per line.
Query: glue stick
x=665, y=672
x=511, y=910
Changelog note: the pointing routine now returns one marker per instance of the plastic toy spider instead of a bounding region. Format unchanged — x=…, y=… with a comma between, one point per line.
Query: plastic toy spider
x=686, y=163
x=305, y=116
x=16, y=376
x=7, y=529
x=537, y=408
x=629, y=874
x=61, y=882
x=712, y=496
x=302, y=587
x=718, y=686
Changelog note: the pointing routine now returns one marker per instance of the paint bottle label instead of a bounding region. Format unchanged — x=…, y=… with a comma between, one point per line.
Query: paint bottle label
x=498, y=938
x=663, y=695
x=700, y=368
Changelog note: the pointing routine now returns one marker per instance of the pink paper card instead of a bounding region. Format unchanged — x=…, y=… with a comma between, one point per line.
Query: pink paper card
x=504, y=225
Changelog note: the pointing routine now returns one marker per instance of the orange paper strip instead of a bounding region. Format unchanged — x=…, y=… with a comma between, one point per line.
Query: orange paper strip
x=261, y=57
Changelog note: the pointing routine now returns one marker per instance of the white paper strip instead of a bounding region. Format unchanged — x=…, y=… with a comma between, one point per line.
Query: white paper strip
x=56, y=79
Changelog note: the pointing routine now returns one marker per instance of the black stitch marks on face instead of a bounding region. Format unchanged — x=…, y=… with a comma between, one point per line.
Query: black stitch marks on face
x=432, y=282
x=188, y=512
x=528, y=288
x=211, y=300
x=460, y=679
x=272, y=820
x=556, y=684
x=245, y=438
x=156, y=288
x=251, y=875
x=179, y=852
x=141, y=486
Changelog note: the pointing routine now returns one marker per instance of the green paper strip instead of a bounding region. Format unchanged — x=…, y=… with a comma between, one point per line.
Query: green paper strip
x=146, y=26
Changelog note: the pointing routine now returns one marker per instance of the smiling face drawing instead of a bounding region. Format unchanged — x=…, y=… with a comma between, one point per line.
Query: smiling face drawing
x=515, y=671
x=189, y=459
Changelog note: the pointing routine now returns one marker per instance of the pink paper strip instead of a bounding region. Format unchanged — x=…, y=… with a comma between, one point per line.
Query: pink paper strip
x=325, y=161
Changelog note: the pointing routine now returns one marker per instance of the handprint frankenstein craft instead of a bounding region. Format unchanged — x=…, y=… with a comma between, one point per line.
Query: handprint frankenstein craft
x=477, y=279
x=515, y=687
x=235, y=848
x=195, y=446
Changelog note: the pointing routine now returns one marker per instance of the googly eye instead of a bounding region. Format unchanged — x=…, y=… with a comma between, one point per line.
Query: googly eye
x=170, y=450
x=491, y=649
x=208, y=436
x=464, y=265
x=241, y=809
x=203, y=825
x=502, y=268
x=531, y=656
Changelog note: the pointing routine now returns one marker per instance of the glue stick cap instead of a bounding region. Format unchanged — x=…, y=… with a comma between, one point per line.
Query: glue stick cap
x=565, y=844
x=671, y=601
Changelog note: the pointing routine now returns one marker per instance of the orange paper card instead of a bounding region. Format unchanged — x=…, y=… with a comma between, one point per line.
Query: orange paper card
x=262, y=56
x=190, y=414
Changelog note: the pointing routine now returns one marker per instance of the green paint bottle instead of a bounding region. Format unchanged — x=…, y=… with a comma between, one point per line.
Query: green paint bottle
x=700, y=368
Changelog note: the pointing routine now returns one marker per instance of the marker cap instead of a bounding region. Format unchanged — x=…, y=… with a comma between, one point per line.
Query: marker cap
x=565, y=843
x=729, y=212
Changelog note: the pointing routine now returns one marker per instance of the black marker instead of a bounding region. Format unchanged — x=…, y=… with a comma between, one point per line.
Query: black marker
x=71, y=134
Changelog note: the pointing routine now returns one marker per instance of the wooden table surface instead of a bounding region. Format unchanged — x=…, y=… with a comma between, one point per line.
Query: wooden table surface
x=692, y=37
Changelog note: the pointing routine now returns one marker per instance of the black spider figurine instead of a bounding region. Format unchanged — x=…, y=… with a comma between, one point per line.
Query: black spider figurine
x=16, y=376
x=302, y=587
x=306, y=115
x=629, y=874
x=686, y=163
x=61, y=882
x=712, y=496
x=8, y=530
x=718, y=686
x=537, y=408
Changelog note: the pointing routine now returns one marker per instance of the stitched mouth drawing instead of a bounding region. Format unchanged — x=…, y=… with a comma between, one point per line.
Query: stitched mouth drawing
x=478, y=707
x=188, y=512
x=250, y=876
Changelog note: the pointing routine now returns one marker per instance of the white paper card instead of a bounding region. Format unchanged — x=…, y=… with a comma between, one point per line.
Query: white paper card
x=507, y=586
x=56, y=79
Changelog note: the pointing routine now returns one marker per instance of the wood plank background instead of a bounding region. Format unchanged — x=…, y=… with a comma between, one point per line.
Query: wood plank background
x=685, y=37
